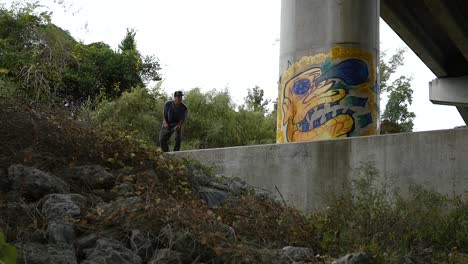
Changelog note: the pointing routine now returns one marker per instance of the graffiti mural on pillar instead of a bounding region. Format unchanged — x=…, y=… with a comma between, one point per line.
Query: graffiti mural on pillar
x=328, y=96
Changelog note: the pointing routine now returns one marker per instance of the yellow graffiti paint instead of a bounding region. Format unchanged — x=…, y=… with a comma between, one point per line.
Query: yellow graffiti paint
x=328, y=96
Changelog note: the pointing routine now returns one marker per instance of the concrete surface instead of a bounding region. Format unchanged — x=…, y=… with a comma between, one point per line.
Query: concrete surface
x=310, y=27
x=305, y=173
x=437, y=31
x=316, y=37
x=451, y=91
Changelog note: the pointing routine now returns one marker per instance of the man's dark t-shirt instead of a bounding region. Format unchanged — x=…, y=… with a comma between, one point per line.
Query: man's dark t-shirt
x=175, y=114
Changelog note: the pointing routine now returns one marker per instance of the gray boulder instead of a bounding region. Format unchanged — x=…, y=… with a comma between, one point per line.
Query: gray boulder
x=85, y=242
x=166, y=256
x=60, y=210
x=212, y=197
x=34, y=183
x=34, y=253
x=355, y=258
x=60, y=232
x=93, y=176
x=232, y=185
x=110, y=251
x=298, y=253
x=129, y=204
x=61, y=206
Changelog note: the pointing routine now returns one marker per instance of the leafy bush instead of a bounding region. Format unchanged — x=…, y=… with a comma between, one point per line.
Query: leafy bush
x=212, y=122
x=7, y=252
x=422, y=225
x=215, y=122
x=8, y=88
x=137, y=112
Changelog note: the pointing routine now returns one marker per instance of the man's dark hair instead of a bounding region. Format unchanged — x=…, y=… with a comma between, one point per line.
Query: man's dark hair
x=178, y=94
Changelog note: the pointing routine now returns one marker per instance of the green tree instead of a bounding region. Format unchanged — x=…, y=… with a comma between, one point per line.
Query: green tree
x=39, y=60
x=137, y=112
x=96, y=69
x=128, y=43
x=396, y=117
x=148, y=66
x=211, y=120
x=33, y=51
x=214, y=121
x=258, y=126
x=255, y=101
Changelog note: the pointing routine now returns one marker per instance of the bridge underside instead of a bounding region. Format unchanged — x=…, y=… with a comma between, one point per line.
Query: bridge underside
x=437, y=31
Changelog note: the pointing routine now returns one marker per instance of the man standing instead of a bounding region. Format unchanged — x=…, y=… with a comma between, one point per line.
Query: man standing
x=174, y=116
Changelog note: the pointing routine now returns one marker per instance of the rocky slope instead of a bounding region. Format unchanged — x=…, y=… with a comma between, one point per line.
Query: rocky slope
x=71, y=192
x=90, y=214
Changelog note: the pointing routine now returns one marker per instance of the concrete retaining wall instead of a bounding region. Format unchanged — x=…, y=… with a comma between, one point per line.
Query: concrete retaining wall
x=305, y=172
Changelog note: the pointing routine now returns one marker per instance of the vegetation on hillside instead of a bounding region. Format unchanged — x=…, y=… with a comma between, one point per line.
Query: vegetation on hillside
x=422, y=227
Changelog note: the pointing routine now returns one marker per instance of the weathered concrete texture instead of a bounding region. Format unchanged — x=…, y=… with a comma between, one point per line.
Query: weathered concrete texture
x=306, y=172
x=436, y=30
x=312, y=26
x=451, y=91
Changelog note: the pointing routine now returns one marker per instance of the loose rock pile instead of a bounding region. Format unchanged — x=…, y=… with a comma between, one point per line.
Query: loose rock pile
x=60, y=220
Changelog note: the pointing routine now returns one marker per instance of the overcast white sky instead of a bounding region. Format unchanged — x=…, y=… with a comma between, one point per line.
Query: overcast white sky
x=220, y=43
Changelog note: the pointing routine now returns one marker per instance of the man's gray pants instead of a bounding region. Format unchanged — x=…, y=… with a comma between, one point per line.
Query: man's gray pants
x=165, y=136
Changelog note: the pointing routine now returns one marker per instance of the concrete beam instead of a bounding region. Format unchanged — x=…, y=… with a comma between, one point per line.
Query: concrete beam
x=452, y=28
x=407, y=27
x=449, y=91
x=464, y=113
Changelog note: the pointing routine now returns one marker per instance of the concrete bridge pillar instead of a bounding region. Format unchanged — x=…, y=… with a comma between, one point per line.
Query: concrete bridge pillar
x=328, y=85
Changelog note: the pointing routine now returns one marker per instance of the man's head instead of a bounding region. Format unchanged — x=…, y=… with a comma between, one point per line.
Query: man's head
x=178, y=96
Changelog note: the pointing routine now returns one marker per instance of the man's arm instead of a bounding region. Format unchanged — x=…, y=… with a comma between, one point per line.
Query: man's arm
x=165, y=111
x=181, y=122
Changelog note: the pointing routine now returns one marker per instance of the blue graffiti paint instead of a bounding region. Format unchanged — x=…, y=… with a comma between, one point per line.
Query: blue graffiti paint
x=364, y=120
x=356, y=101
x=301, y=86
x=350, y=112
x=317, y=122
x=352, y=71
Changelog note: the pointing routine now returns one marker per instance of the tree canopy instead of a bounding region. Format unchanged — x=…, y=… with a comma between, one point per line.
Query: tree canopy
x=396, y=117
x=42, y=61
